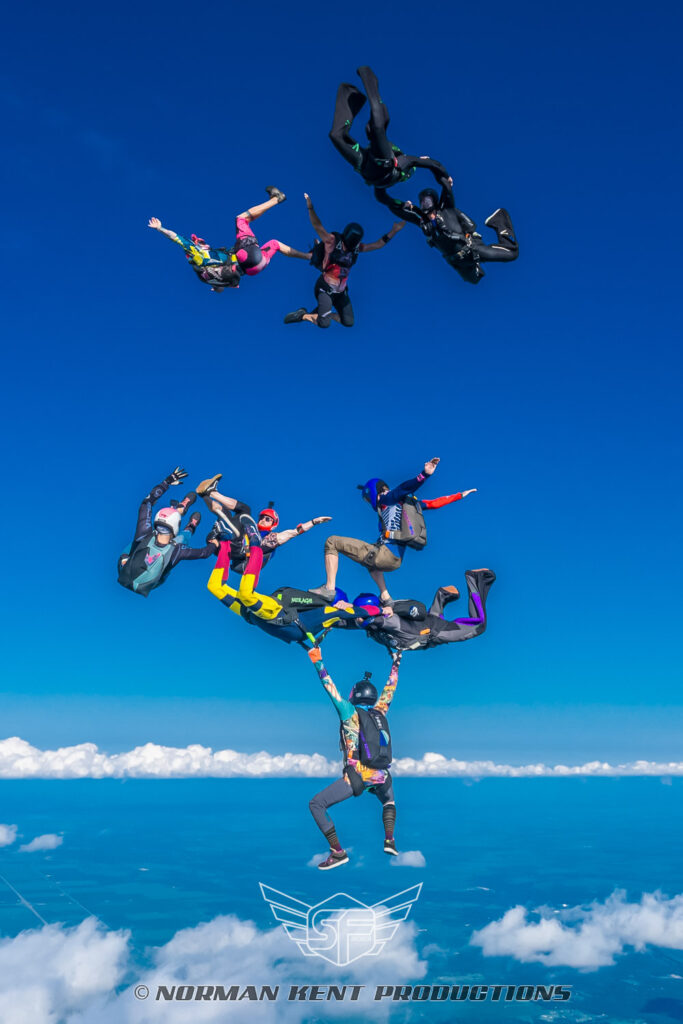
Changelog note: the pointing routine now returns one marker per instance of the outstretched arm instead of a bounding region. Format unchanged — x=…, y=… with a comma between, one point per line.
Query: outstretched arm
x=320, y=231
x=144, y=522
x=282, y=536
x=409, y=486
x=384, y=240
x=447, y=499
x=345, y=708
x=387, y=694
x=155, y=223
x=405, y=210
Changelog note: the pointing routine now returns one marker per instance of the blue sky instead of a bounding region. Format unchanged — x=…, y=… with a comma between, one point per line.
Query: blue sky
x=553, y=387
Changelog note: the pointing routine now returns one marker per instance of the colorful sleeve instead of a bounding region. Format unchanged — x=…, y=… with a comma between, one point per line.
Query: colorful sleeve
x=182, y=241
x=440, y=502
x=389, y=690
x=345, y=708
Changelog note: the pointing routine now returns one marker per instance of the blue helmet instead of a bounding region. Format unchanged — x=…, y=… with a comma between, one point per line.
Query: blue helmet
x=369, y=490
x=368, y=603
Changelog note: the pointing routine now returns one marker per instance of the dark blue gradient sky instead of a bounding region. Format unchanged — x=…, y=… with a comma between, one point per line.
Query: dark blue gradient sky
x=553, y=387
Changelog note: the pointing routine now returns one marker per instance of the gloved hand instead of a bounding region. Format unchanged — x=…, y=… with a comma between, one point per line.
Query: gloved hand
x=176, y=476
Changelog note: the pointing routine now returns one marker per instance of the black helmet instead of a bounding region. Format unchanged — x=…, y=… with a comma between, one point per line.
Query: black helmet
x=429, y=200
x=352, y=235
x=363, y=692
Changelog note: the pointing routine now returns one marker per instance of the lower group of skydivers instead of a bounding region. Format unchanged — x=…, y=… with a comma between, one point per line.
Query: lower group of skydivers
x=244, y=544
x=381, y=164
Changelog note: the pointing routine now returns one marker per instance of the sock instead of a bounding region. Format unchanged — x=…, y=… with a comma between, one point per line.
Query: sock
x=389, y=820
x=331, y=836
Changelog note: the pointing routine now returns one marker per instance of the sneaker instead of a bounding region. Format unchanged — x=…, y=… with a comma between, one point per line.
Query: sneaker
x=327, y=592
x=335, y=860
x=188, y=500
x=275, y=193
x=390, y=847
x=453, y=593
x=296, y=317
x=194, y=521
x=206, y=486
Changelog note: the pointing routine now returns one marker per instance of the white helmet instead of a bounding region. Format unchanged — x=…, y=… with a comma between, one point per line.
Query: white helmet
x=170, y=518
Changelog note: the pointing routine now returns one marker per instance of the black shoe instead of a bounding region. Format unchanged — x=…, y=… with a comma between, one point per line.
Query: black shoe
x=390, y=847
x=296, y=317
x=501, y=223
x=275, y=193
x=195, y=520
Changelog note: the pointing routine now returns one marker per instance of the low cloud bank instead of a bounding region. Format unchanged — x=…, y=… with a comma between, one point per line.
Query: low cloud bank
x=19, y=760
x=585, y=937
x=54, y=974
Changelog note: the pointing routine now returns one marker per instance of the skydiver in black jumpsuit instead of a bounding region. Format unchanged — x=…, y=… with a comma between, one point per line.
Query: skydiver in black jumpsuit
x=381, y=164
x=453, y=233
x=412, y=627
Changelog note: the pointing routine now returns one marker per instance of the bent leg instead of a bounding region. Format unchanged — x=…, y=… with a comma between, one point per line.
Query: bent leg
x=342, y=303
x=217, y=580
x=349, y=101
x=328, y=797
x=325, y=310
x=500, y=252
x=261, y=605
x=442, y=597
x=479, y=582
x=380, y=146
x=254, y=212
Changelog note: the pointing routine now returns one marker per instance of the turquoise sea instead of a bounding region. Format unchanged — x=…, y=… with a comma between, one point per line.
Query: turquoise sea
x=155, y=857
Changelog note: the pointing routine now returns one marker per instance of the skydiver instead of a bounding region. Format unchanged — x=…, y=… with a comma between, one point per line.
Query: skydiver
x=358, y=775
x=409, y=626
x=158, y=546
x=223, y=268
x=381, y=163
x=288, y=614
x=235, y=525
x=386, y=554
x=339, y=252
x=452, y=233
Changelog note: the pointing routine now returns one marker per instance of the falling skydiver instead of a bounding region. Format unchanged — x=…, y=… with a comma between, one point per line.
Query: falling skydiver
x=381, y=163
x=452, y=233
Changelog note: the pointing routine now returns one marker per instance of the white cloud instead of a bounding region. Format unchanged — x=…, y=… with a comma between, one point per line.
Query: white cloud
x=56, y=974
x=19, y=760
x=8, y=833
x=409, y=859
x=585, y=937
x=47, y=842
x=52, y=970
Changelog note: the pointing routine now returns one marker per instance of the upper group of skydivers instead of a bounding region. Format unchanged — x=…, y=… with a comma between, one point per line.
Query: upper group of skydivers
x=245, y=544
x=381, y=164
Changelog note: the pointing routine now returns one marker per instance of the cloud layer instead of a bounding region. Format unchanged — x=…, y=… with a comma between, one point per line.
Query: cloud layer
x=19, y=760
x=585, y=937
x=56, y=974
